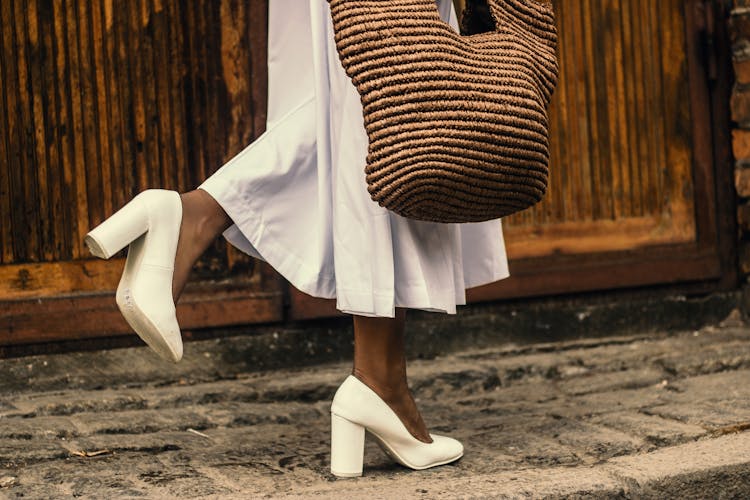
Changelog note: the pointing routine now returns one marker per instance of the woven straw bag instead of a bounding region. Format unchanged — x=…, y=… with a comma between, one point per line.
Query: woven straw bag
x=457, y=124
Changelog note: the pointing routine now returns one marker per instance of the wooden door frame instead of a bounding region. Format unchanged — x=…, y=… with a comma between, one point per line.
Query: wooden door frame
x=95, y=315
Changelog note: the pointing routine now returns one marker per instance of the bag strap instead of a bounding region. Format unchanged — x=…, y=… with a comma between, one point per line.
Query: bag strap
x=535, y=16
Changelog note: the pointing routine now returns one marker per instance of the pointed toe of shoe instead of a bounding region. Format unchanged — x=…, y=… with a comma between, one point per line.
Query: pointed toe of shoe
x=168, y=351
x=174, y=352
x=153, y=318
x=443, y=450
x=167, y=342
x=446, y=449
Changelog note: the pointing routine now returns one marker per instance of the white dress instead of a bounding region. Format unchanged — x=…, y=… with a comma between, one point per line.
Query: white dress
x=298, y=199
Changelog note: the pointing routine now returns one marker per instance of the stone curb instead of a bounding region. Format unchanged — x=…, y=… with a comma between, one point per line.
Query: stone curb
x=709, y=468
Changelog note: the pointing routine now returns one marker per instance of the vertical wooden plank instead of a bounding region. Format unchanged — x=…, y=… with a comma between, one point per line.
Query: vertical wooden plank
x=125, y=99
x=56, y=212
x=658, y=132
x=162, y=64
x=215, y=88
x=607, y=99
x=6, y=219
x=114, y=118
x=38, y=116
x=563, y=137
x=623, y=202
x=187, y=85
x=195, y=33
x=638, y=111
x=597, y=181
x=643, y=53
x=100, y=108
x=579, y=111
x=710, y=149
x=197, y=66
x=235, y=73
x=91, y=168
x=137, y=106
x=76, y=172
x=67, y=76
x=258, y=39
x=24, y=186
x=65, y=130
x=632, y=86
x=553, y=208
x=677, y=117
x=150, y=75
x=559, y=146
x=649, y=152
x=177, y=79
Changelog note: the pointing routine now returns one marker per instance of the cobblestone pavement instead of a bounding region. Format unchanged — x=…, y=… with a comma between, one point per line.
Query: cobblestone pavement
x=658, y=415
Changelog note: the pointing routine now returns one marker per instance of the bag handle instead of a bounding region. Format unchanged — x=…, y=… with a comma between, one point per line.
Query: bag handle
x=535, y=16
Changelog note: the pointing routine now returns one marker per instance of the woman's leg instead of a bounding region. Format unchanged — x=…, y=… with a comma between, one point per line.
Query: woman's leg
x=380, y=363
x=379, y=357
x=203, y=220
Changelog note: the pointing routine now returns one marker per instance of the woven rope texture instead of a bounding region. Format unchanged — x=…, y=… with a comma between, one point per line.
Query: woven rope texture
x=457, y=124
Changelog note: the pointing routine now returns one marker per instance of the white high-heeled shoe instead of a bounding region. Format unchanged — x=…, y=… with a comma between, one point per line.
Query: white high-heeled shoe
x=356, y=408
x=150, y=223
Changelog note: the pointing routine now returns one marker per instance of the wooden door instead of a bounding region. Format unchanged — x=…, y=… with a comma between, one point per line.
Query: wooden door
x=636, y=163
x=640, y=190
x=98, y=101
x=101, y=99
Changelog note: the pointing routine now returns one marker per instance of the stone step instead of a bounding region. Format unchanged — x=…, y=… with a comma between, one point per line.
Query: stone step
x=620, y=416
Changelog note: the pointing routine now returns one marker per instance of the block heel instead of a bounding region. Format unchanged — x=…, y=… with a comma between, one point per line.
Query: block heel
x=123, y=227
x=347, y=447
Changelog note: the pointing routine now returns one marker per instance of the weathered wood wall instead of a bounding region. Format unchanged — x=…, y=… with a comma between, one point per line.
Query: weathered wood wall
x=621, y=155
x=100, y=100
x=103, y=99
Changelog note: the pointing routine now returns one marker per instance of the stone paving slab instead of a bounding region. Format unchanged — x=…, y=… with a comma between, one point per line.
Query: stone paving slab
x=662, y=416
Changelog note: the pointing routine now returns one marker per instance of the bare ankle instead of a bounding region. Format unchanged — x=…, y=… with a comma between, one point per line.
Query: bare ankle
x=380, y=363
x=396, y=394
x=203, y=220
x=204, y=216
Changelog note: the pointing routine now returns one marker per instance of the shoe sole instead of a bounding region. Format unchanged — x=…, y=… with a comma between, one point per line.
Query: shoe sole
x=138, y=321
